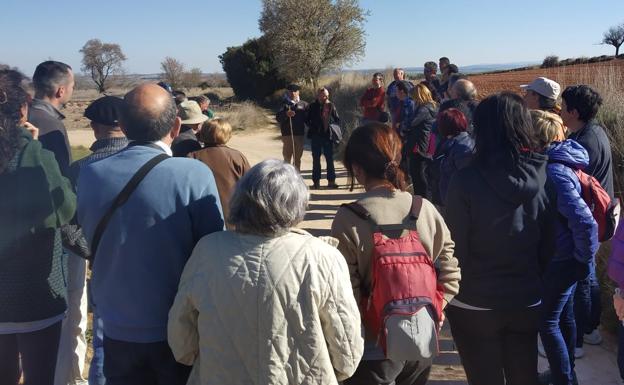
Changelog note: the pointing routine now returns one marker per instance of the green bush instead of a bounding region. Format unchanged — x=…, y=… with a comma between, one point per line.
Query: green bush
x=550, y=61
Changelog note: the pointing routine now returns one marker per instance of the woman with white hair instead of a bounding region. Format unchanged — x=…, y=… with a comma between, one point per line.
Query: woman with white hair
x=266, y=303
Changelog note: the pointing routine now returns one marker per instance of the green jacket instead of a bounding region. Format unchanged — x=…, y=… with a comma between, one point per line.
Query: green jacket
x=36, y=201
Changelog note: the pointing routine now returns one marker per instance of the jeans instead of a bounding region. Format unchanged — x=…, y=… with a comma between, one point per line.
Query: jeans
x=38, y=351
x=587, y=305
x=558, y=328
x=130, y=363
x=326, y=147
x=96, y=370
x=620, y=353
x=387, y=372
x=496, y=347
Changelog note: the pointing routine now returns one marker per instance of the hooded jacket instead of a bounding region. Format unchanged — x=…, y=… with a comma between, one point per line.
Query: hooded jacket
x=253, y=309
x=577, y=231
x=418, y=133
x=502, y=221
x=455, y=154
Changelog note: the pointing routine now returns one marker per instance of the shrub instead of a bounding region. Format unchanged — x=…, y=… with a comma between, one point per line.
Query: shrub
x=245, y=116
x=550, y=61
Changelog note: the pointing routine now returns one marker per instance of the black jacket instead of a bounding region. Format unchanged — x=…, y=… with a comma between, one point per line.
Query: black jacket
x=185, y=143
x=315, y=120
x=502, y=220
x=419, y=133
x=298, y=121
x=595, y=141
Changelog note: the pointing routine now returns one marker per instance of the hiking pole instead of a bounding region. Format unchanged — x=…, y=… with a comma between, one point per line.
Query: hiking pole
x=292, y=139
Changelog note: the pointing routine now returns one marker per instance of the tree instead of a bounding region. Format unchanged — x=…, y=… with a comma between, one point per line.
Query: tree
x=615, y=37
x=101, y=60
x=193, y=78
x=311, y=36
x=173, y=72
x=251, y=71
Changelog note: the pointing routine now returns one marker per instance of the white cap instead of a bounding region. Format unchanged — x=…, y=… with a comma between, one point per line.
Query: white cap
x=545, y=87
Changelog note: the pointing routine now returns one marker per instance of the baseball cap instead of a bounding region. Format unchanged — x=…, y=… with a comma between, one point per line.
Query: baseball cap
x=190, y=112
x=105, y=110
x=544, y=86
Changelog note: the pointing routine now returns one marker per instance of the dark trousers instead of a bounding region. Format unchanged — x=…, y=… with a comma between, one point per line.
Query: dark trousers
x=496, y=347
x=130, y=363
x=38, y=351
x=620, y=353
x=418, y=171
x=382, y=372
x=587, y=305
x=558, y=328
x=322, y=146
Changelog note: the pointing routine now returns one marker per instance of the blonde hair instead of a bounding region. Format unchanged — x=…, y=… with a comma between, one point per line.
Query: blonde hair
x=548, y=127
x=421, y=95
x=215, y=131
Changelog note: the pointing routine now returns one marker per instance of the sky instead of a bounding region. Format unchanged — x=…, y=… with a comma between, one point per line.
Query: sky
x=398, y=32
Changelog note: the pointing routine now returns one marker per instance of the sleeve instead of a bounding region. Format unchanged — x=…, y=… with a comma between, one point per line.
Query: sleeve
x=281, y=115
x=61, y=191
x=340, y=320
x=548, y=234
x=422, y=132
x=335, y=116
x=55, y=142
x=205, y=205
x=458, y=218
x=182, y=327
x=343, y=230
x=443, y=255
x=573, y=208
x=615, y=267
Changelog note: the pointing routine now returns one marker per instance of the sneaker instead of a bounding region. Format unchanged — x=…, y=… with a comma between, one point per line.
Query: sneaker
x=544, y=378
x=579, y=353
x=593, y=338
x=540, y=348
x=332, y=185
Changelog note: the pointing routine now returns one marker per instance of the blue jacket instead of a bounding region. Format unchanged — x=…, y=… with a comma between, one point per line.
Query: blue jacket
x=407, y=114
x=577, y=231
x=148, y=240
x=455, y=154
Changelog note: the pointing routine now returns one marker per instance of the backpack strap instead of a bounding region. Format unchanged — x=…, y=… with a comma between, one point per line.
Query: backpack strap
x=417, y=202
x=361, y=212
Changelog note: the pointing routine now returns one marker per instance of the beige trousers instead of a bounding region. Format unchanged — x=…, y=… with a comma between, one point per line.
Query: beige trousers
x=289, y=152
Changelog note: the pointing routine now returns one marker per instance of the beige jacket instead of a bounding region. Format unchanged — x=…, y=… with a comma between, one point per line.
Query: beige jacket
x=356, y=238
x=258, y=310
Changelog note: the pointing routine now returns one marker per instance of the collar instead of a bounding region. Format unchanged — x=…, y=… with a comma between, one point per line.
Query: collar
x=39, y=104
x=159, y=145
x=118, y=142
x=164, y=147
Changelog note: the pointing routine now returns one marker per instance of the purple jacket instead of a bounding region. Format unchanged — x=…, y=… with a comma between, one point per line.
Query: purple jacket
x=615, y=268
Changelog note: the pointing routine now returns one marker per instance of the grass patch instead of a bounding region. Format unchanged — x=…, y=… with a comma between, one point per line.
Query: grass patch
x=246, y=116
x=79, y=152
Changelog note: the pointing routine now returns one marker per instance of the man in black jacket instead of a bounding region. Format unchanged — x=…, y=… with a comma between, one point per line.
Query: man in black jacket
x=579, y=108
x=291, y=118
x=321, y=114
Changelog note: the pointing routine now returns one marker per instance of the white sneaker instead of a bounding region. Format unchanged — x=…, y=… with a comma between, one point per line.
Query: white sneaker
x=593, y=338
x=579, y=353
x=540, y=348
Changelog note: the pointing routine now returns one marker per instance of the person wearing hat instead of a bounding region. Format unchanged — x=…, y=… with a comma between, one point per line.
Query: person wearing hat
x=542, y=94
x=192, y=119
x=104, y=114
x=291, y=118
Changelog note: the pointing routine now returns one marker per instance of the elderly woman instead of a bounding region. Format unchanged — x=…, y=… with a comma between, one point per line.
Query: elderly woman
x=227, y=164
x=36, y=201
x=267, y=303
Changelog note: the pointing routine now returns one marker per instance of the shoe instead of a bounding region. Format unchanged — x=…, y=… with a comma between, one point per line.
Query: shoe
x=544, y=378
x=579, y=353
x=540, y=349
x=316, y=186
x=332, y=185
x=593, y=338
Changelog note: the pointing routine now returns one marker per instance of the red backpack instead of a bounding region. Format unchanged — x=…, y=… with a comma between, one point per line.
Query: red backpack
x=404, y=304
x=606, y=212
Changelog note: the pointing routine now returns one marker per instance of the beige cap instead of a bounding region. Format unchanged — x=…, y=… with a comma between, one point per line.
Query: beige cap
x=544, y=86
x=190, y=112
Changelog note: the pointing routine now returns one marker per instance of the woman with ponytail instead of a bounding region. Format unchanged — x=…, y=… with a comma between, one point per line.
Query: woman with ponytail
x=372, y=158
x=36, y=201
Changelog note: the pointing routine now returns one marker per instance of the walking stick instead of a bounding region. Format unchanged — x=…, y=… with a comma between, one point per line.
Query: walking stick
x=292, y=139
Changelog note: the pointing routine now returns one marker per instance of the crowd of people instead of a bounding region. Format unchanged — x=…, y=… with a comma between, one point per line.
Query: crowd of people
x=482, y=212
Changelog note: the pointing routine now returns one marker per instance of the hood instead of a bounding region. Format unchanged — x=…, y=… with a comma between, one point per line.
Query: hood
x=519, y=183
x=568, y=152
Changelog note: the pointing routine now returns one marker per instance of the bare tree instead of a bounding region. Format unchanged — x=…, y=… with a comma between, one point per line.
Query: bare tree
x=615, y=37
x=311, y=36
x=173, y=72
x=101, y=60
x=193, y=78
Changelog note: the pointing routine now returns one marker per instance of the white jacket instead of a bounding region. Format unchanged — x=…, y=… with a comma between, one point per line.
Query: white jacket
x=257, y=310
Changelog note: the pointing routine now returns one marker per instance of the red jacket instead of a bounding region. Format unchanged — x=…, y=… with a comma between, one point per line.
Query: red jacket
x=373, y=102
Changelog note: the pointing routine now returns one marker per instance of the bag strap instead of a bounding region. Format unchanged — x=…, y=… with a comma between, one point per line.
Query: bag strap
x=361, y=212
x=122, y=198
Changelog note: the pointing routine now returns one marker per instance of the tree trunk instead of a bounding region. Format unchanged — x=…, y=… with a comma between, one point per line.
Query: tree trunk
x=617, y=50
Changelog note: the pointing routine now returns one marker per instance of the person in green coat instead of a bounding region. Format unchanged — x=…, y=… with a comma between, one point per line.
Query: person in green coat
x=36, y=201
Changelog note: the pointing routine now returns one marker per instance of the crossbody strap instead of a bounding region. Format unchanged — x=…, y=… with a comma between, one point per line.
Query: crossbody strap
x=361, y=212
x=122, y=198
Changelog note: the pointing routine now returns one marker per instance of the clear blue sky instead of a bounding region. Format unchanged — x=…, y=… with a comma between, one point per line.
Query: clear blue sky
x=399, y=32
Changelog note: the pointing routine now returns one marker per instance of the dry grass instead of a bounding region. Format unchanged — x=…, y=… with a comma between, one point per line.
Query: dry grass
x=246, y=116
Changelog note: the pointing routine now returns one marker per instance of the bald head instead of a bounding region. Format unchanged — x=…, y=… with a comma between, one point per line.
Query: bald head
x=464, y=89
x=149, y=113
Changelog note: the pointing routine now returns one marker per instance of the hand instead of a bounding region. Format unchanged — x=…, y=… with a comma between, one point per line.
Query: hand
x=34, y=131
x=618, y=304
x=441, y=323
x=290, y=113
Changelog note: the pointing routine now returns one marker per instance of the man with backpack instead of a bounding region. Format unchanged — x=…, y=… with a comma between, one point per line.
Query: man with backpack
x=579, y=108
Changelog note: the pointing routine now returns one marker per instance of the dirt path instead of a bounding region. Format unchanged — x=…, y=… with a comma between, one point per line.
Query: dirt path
x=598, y=367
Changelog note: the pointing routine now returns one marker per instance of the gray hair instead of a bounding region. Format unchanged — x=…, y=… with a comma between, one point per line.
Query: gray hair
x=269, y=199
x=465, y=89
